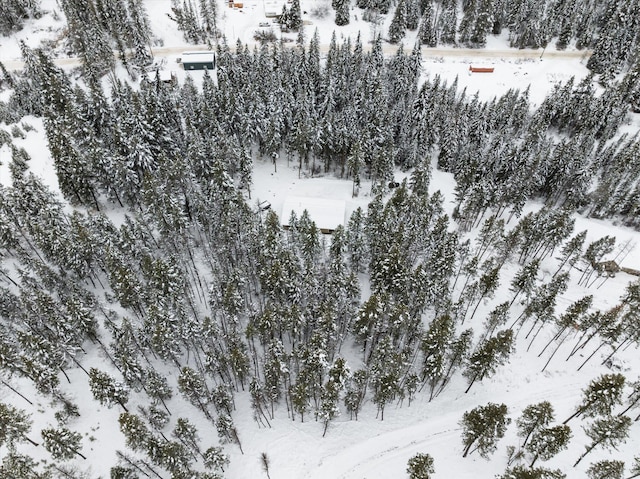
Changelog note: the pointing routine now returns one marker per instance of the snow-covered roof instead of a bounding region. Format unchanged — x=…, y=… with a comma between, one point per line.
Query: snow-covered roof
x=326, y=214
x=197, y=57
x=165, y=76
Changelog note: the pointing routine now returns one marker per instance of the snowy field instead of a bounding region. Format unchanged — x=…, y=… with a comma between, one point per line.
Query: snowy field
x=370, y=448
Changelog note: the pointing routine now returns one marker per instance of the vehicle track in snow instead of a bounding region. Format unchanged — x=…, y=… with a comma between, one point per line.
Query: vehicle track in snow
x=370, y=455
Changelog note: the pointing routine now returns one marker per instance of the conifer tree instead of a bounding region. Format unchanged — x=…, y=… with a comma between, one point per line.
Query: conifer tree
x=426, y=32
x=446, y=25
x=62, y=443
x=215, y=459
x=398, y=26
x=342, y=12
x=608, y=432
x=483, y=427
x=413, y=14
x=15, y=464
x=355, y=392
x=606, y=469
x=193, y=386
x=599, y=398
x=534, y=417
x=106, y=389
x=420, y=466
x=13, y=13
x=547, y=442
x=488, y=355
x=14, y=426
x=523, y=472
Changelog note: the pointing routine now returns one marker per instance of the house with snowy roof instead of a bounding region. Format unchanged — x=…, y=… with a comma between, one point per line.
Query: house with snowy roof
x=327, y=214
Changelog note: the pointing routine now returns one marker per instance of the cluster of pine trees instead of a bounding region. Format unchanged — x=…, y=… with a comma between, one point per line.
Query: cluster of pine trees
x=194, y=280
x=98, y=27
x=197, y=23
x=13, y=14
x=358, y=116
x=611, y=28
x=484, y=426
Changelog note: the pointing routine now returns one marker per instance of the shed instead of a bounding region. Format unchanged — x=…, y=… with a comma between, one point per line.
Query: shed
x=163, y=75
x=198, y=60
x=327, y=214
x=473, y=69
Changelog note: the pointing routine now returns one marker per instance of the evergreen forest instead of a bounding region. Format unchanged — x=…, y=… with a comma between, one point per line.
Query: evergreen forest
x=158, y=283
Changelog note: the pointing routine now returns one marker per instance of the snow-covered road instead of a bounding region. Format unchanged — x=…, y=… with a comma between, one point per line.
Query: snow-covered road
x=13, y=64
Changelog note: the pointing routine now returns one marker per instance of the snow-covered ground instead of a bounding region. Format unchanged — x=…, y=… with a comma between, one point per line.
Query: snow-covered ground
x=368, y=448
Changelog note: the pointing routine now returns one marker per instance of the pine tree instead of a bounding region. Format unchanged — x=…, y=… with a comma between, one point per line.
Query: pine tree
x=457, y=354
x=608, y=432
x=193, y=386
x=523, y=472
x=483, y=427
x=446, y=25
x=106, y=390
x=434, y=344
x=215, y=459
x=227, y=431
x=525, y=280
x=534, y=417
x=13, y=14
x=606, y=470
x=599, y=398
x=633, y=399
x=187, y=433
x=62, y=443
x=157, y=387
x=398, y=26
x=420, y=466
x=17, y=465
x=488, y=355
x=413, y=14
x=355, y=392
x=173, y=456
x=136, y=433
x=338, y=376
x=342, y=12
x=496, y=318
x=547, y=442
x=14, y=426
x=427, y=32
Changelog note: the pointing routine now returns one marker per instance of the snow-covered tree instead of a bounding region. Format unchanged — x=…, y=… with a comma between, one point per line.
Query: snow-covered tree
x=107, y=390
x=14, y=426
x=19, y=465
x=523, y=472
x=600, y=396
x=420, y=466
x=606, y=469
x=483, y=427
x=488, y=355
x=62, y=443
x=215, y=459
x=547, y=442
x=534, y=418
x=607, y=432
x=342, y=12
